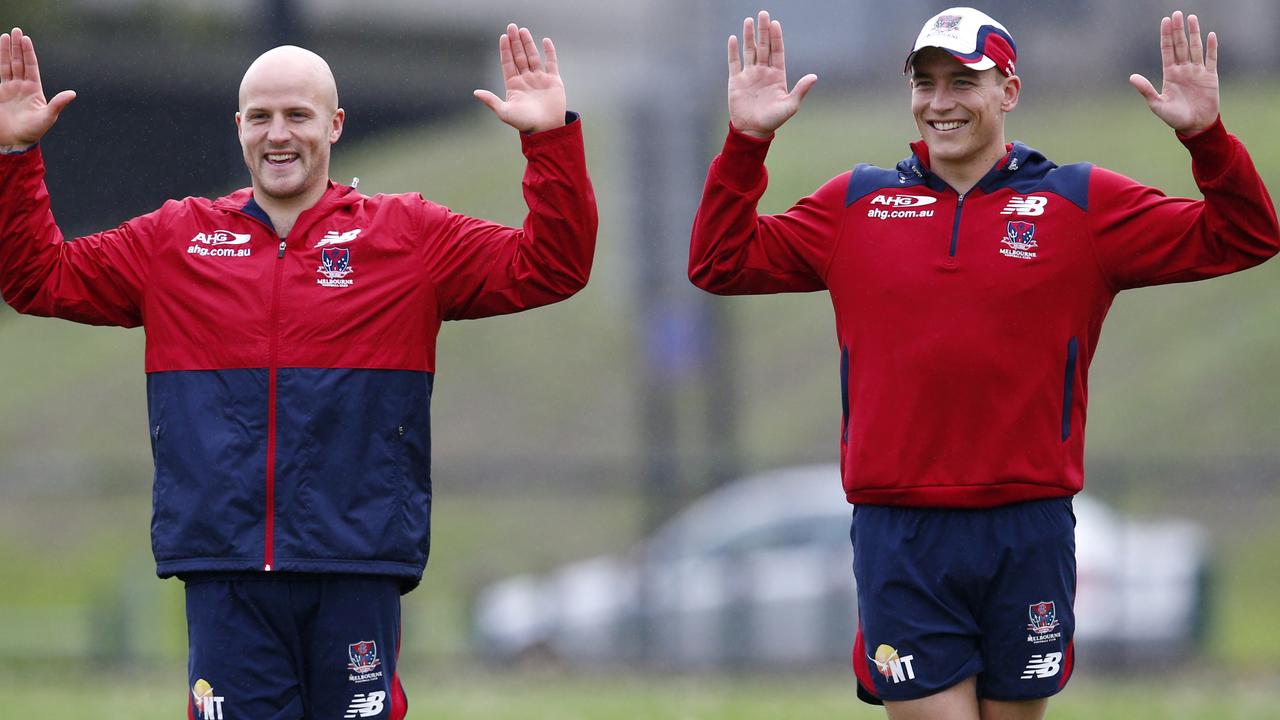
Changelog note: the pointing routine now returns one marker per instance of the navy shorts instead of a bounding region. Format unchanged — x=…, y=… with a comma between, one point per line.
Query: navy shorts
x=286, y=647
x=945, y=594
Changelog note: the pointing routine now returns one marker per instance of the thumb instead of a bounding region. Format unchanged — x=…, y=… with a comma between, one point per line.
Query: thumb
x=60, y=102
x=803, y=86
x=489, y=99
x=1144, y=87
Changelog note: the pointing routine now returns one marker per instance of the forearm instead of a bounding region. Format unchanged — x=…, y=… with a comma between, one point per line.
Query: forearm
x=95, y=280
x=482, y=268
x=28, y=234
x=1238, y=212
x=735, y=251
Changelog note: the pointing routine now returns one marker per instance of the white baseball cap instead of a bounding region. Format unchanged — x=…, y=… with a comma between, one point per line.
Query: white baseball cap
x=971, y=36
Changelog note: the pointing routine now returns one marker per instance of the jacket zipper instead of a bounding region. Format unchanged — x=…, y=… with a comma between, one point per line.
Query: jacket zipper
x=268, y=544
x=955, y=227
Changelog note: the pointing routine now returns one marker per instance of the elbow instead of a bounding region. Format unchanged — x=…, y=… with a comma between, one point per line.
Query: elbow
x=703, y=278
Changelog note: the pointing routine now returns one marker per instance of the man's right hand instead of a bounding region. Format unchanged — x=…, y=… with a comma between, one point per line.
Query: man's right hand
x=25, y=115
x=758, y=99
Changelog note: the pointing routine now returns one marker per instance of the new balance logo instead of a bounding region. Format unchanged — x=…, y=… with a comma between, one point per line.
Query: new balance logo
x=1043, y=666
x=1031, y=205
x=366, y=705
x=333, y=237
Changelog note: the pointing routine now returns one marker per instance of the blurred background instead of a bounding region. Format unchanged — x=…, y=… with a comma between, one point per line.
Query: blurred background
x=583, y=428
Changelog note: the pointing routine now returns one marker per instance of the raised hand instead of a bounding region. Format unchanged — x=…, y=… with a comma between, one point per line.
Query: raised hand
x=535, y=95
x=758, y=99
x=25, y=115
x=1189, y=101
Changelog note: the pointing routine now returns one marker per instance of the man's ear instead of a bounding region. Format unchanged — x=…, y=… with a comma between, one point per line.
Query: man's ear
x=335, y=132
x=1012, y=87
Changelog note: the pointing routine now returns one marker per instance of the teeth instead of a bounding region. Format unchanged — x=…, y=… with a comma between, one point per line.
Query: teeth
x=279, y=157
x=950, y=125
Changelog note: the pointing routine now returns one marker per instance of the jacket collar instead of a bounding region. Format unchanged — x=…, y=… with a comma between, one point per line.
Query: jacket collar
x=1019, y=162
x=335, y=195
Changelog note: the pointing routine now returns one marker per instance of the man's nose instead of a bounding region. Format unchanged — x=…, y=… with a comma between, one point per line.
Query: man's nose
x=277, y=131
x=941, y=99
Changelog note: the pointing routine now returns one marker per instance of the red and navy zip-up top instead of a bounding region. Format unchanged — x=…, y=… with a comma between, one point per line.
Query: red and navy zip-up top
x=289, y=379
x=966, y=323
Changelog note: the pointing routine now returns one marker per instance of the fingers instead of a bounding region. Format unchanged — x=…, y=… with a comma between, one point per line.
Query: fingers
x=61, y=101
x=530, y=49
x=1211, y=58
x=1144, y=88
x=17, y=68
x=505, y=56
x=6, y=74
x=491, y=101
x=748, y=42
x=777, y=56
x=803, y=86
x=1180, y=51
x=735, y=60
x=553, y=63
x=1193, y=29
x=517, y=48
x=765, y=41
x=1166, y=42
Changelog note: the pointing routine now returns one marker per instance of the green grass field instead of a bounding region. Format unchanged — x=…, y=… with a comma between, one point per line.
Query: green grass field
x=1205, y=695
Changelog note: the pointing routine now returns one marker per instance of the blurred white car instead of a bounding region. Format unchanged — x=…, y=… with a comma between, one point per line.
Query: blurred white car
x=759, y=574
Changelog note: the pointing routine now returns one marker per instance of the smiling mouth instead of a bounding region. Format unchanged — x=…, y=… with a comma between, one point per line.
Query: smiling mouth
x=279, y=159
x=947, y=125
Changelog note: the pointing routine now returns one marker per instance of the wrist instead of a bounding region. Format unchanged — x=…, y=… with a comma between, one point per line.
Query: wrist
x=750, y=132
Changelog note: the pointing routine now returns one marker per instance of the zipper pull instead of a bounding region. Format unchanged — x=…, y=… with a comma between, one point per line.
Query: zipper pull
x=281, y=253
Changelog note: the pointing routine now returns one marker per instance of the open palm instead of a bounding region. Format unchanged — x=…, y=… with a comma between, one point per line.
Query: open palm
x=535, y=94
x=759, y=102
x=25, y=115
x=1188, y=101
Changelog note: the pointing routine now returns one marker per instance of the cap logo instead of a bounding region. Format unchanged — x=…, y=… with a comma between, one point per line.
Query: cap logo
x=947, y=24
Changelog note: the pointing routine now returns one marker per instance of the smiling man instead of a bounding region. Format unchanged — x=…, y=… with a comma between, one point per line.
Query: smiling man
x=969, y=285
x=291, y=332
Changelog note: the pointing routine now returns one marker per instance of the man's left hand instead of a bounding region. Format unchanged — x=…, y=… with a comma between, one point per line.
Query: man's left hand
x=1189, y=101
x=535, y=95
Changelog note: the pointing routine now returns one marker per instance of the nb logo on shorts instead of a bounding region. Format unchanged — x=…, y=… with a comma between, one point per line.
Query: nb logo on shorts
x=1032, y=205
x=1043, y=666
x=366, y=705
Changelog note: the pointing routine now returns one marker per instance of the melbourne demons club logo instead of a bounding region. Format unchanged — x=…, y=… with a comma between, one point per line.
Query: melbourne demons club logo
x=335, y=266
x=1044, y=617
x=363, y=656
x=949, y=24
x=336, y=262
x=1020, y=236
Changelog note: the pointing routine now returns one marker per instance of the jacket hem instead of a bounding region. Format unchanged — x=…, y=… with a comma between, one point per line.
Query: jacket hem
x=170, y=568
x=967, y=497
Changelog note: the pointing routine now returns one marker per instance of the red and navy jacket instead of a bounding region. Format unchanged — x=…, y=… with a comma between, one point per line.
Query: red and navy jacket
x=966, y=323
x=289, y=379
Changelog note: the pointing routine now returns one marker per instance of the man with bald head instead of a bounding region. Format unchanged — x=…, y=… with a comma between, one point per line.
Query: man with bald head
x=290, y=358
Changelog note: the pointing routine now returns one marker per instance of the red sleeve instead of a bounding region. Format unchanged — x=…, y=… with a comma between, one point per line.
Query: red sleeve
x=735, y=251
x=481, y=268
x=97, y=279
x=1145, y=238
